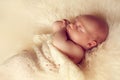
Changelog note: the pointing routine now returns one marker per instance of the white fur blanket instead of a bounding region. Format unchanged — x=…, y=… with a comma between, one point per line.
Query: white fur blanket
x=43, y=62
x=19, y=20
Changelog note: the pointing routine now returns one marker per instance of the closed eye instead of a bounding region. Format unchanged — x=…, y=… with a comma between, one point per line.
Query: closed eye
x=80, y=28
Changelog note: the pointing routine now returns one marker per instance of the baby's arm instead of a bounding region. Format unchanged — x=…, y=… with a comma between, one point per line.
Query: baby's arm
x=58, y=25
x=72, y=50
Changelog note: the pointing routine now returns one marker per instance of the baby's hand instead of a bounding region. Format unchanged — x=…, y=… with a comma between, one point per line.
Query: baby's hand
x=65, y=22
x=60, y=35
x=58, y=25
x=68, y=47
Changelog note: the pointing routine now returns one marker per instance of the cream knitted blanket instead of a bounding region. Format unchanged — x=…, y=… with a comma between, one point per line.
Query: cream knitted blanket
x=43, y=62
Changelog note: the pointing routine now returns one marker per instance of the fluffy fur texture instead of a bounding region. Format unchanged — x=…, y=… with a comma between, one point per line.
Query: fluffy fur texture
x=26, y=16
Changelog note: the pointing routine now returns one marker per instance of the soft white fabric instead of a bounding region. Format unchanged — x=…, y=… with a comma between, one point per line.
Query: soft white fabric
x=49, y=61
x=103, y=63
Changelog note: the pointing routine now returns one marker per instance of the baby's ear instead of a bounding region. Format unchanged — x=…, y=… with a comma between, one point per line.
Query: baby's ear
x=92, y=44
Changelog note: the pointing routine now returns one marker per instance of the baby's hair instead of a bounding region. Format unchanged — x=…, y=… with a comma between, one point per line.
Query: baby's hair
x=96, y=18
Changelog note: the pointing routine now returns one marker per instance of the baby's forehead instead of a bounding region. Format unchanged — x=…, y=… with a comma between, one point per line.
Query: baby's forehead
x=87, y=17
x=82, y=16
x=78, y=17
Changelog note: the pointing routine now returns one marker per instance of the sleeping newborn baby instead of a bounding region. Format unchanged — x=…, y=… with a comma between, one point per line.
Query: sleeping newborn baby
x=74, y=38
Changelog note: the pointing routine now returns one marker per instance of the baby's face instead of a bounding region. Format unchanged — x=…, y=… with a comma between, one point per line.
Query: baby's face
x=83, y=32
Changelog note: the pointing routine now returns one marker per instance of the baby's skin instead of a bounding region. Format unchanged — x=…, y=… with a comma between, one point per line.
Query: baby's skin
x=74, y=38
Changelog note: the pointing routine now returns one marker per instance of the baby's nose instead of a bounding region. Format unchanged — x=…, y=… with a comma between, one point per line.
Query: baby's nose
x=72, y=26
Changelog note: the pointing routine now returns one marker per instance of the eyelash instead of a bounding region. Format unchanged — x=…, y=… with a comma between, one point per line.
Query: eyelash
x=79, y=28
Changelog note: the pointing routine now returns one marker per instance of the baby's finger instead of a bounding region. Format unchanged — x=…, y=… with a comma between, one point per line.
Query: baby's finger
x=65, y=21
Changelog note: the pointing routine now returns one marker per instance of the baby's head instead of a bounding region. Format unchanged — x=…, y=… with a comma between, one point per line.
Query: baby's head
x=88, y=31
